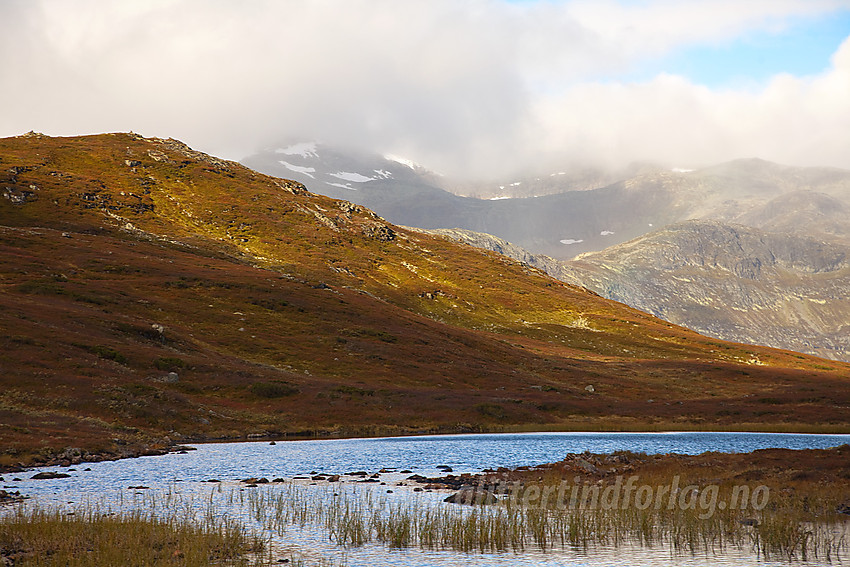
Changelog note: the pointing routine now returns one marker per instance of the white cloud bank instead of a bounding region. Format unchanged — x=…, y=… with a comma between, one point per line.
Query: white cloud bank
x=466, y=87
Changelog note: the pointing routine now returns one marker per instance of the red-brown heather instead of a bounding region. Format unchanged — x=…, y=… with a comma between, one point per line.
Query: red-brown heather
x=151, y=294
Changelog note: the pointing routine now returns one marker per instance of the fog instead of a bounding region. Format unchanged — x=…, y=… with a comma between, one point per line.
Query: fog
x=473, y=88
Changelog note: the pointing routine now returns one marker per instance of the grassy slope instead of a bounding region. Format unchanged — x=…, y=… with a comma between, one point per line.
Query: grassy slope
x=357, y=325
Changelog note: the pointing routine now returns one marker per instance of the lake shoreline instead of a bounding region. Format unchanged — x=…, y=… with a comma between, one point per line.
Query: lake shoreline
x=789, y=467
x=34, y=457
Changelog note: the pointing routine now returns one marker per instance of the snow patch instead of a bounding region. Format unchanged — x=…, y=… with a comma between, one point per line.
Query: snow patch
x=303, y=149
x=401, y=160
x=309, y=171
x=341, y=185
x=383, y=174
x=498, y=198
x=353, y=177
x=571, y=241
x=606, y=233
x=680, y=170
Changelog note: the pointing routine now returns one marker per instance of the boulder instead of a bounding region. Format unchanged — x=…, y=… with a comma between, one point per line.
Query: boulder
x=472, y=496
x=49, y=475
x=587, y=466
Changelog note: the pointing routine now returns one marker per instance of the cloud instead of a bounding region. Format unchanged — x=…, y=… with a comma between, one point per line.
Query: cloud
x=475, y=87
x=790, y=120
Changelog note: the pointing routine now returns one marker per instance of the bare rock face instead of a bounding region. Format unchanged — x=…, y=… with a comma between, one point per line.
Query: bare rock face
x=734, y=283
x=379, y=232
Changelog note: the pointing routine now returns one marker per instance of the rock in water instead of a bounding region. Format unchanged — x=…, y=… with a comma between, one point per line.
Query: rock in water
x=49, y=475
x=472, y=496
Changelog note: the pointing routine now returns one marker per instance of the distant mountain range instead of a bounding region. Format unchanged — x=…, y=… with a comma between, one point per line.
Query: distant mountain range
x=567, y=223
x=748, y=250
x=560, y=224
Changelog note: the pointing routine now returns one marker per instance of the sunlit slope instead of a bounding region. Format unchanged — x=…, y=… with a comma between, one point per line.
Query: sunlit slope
x=125, y=259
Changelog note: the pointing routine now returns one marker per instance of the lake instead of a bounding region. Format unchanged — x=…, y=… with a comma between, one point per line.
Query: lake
x=181, y=477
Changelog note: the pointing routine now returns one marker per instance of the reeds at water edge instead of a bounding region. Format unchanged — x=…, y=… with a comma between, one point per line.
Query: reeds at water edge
x=229, y=524
x=787, y=526
x=34, y=536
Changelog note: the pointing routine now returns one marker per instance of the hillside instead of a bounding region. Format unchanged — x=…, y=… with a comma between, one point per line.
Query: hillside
x=151, y=291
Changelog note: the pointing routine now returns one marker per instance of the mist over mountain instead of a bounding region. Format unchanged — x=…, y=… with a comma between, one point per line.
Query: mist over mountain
x=565, y=215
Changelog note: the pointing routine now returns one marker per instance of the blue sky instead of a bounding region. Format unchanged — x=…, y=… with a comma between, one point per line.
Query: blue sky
x=804, y=48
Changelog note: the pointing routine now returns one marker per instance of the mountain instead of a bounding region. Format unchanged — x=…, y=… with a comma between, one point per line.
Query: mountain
x=150, y=291
x=567, y=215
x=733, y=282
x=775, y=276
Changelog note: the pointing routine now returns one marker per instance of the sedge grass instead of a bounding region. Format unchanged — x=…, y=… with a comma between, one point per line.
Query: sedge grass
x=790, y=527
x=32, y=536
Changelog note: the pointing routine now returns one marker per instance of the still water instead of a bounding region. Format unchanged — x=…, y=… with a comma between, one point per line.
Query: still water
x=182, y=476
